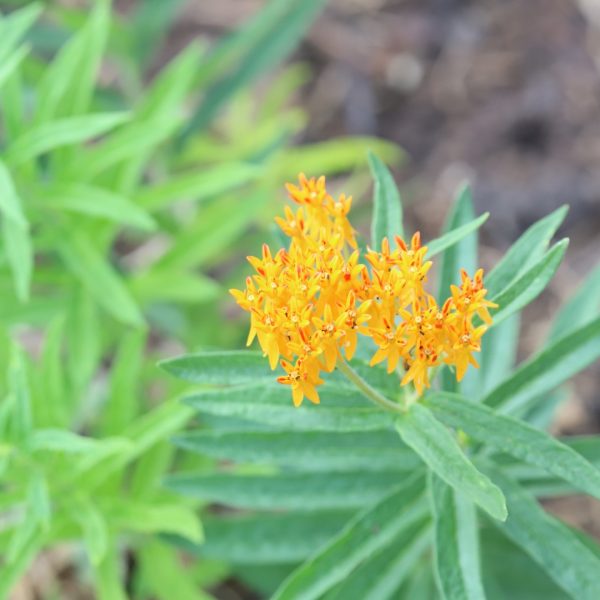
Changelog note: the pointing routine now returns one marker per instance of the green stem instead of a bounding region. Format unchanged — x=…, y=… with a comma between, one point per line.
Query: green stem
x=368, y=391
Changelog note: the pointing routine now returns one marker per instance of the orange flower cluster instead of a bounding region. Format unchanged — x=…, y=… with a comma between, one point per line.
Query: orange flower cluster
x=308, y=303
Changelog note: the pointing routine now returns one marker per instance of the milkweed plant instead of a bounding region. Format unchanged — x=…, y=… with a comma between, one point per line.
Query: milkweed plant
x=411, y=457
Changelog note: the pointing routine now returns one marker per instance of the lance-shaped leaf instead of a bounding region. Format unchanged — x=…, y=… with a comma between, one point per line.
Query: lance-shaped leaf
x=525, y=252
x=63, y=132
x=528, y=286
x=370, y=530
x=269, y=403
x=516, y=438
x=305, y=450
x=456, y=542
x=387, y=206
x=438, y=448
x=381, y=575
x=264, y=539
x=292, y=491
x=556, y=548
x=456, y=235
x=548, y=369
x=581, y=308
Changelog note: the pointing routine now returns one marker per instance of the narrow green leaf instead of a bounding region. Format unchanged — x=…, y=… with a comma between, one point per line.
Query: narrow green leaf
x=38, y=500
x=67, y=84
x=557, y=549
x=372, y=529
x=387, y=206
x=19, y=396
x=270, y=403
x=528, y=286
x=8, y=66
x=546, y=370
x=463, y=255
x=220, y=368
x=294, y=17
x=383, y=573
x=525, y=252
x=14, y=26
x=292, y=491
x=580, y=309
x=15, y=231
x=63, y=132
x=456, y=235
x=197, y=186
x=331, y=157
x=143, y=517
x=93, y=527
x=457, y=568
x=516, y=438
x=60, y=440
x=86, y=263
x=108, y=579
x=306, y=451
x=173, y=285
x=123, y=405
x=97, y=202
x=124, y=145
x=270, y=538
x=440, y=451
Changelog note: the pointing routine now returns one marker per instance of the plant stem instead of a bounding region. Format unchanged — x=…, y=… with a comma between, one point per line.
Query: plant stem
x=368, y=391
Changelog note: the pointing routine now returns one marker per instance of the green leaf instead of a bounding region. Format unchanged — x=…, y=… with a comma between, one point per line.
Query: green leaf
x=97, y=202
x=220, y=368
x=103, y=283
x=292, y=491
x=163, y=574
x=38, y=500
x=463, y=255
x=15, y=229
x=440, y=451
x=525, y=252
x=274, y=43
x=270, y=403
x=14, y=26
x=581, y=308
x=60, y=440
x=124, y=145
x=270, y=538
x=94, y=530
x=306, y=451
x=516, y=438
x=68, y=83
x=127, y=515
x=546, y=370
x=498, y=355
x=455, y=236
x=19, y=396
x=8, y=66
x=331, y=157
x=528, y=286
x=457, y=568
x=372, y=529
x=383, y=573
x=63, y=132
x=172, y=285
x=197, y=186
x=557, y=549
x=387, y=206
x=108, y=582
x=122, y=404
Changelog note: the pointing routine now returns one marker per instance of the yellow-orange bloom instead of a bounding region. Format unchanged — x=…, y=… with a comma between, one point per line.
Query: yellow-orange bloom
x=309, y=302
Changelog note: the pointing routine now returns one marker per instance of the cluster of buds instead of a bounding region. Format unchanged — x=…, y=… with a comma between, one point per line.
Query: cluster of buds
x=308, y=303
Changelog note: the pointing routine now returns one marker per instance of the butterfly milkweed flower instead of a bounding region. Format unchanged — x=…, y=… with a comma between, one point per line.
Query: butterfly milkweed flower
x=308, y=303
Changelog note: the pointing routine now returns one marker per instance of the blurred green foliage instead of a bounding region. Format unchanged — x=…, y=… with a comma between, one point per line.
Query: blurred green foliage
x=126, y=202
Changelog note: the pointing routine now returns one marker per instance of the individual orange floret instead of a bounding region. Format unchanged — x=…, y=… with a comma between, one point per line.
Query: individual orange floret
x=301, y=380
x=469, y=298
